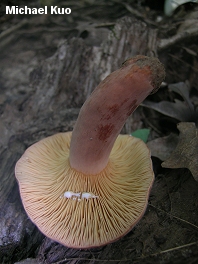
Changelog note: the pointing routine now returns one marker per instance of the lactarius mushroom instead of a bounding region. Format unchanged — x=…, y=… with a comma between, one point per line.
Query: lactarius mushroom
x=90, y=187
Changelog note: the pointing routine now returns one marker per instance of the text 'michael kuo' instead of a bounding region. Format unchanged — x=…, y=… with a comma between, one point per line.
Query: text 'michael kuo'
x=54, y=10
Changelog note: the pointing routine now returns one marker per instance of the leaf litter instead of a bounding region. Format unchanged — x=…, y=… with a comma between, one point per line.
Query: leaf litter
x=178, y=151
x=182, y=110
x=185, y=154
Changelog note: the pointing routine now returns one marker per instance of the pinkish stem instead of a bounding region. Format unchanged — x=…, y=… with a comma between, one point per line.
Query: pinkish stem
x=104, y=113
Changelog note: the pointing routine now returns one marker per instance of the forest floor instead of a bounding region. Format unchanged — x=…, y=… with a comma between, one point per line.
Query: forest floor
x=168, y=232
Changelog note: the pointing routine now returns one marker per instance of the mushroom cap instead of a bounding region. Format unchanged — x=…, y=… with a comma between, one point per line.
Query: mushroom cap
x=79, y=210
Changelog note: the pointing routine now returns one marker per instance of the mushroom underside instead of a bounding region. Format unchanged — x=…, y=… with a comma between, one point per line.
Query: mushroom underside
x=79, y=210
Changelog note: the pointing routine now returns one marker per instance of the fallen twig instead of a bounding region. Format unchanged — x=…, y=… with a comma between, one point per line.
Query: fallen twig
x=178, y=38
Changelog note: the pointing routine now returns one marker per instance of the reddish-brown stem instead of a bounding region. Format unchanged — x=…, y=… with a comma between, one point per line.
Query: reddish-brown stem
x=104, y=113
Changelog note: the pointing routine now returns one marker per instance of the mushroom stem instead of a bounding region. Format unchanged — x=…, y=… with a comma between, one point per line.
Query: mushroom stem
x=104, y=113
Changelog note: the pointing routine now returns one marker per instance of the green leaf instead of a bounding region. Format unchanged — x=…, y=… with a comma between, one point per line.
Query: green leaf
x=142, y=134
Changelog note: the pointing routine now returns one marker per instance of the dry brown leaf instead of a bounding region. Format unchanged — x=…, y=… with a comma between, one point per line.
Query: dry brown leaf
x=162, y=147
x=185, y=154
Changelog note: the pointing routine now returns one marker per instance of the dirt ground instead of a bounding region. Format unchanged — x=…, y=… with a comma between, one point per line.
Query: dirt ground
x=33, y=105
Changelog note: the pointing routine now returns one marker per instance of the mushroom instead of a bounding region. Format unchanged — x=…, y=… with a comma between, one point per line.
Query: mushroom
x=89, y=187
